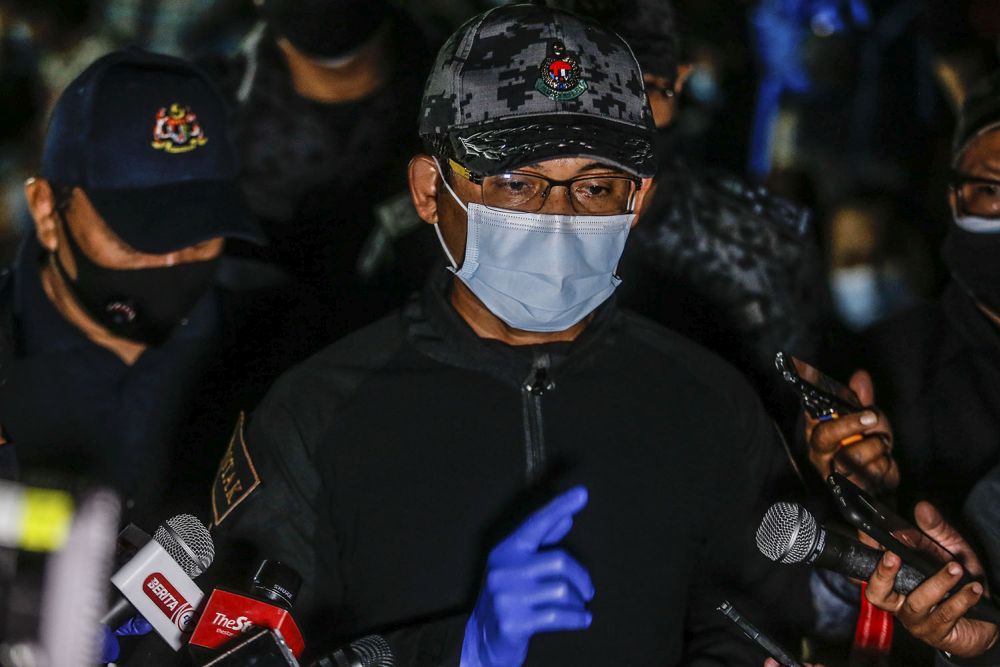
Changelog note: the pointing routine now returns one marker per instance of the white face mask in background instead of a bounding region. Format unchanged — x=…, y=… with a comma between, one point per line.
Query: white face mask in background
x=857, y=295
x=540, y=272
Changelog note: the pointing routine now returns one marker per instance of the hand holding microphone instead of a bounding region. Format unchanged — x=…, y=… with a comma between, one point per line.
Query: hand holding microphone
x=931, y=612
x=529, y=589
x=927, y=606
x=134, y=627
x=157, y=581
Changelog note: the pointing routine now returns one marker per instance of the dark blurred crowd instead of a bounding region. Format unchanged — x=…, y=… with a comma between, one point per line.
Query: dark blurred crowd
x=862, y=142
x=823, y=177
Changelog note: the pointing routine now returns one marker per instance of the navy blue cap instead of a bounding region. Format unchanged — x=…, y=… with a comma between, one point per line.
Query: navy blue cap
x=144, y=136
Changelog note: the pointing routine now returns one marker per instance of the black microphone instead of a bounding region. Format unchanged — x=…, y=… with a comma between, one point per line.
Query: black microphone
x=370, y=651
x=789, y=534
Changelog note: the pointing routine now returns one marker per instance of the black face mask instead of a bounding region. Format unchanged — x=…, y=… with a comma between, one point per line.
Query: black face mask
x=972, y=260
x=143, y=305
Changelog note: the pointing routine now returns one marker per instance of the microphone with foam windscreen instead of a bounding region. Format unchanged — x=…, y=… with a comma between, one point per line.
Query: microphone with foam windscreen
x=157, y=581
x=789, y=534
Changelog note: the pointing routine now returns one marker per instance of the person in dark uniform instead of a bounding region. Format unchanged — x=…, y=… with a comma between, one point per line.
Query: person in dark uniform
x=942, y=387
x=108, y=316
x=324, y=99
x=384, y=468
x=722, y=261
x=936, y=369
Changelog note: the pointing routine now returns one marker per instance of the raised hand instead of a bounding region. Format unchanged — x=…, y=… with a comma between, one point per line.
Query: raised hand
x=530, y=587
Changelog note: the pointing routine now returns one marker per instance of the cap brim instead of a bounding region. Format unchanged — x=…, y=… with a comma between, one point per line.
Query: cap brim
x=497, y=147
x=170, y=217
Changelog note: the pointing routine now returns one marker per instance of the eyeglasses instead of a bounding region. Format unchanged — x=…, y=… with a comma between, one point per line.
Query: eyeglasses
x=667, y=91
x=977, y=196
x=601, y=194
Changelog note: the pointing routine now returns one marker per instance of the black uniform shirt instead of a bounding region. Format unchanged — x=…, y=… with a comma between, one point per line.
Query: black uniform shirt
x=384, y=468
x=937, y=375
x=68, y=404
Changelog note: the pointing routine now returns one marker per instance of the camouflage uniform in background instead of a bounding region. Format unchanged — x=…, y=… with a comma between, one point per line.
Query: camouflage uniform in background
x=732, y=267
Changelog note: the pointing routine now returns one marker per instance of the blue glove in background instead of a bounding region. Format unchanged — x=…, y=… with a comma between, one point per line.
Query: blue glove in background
x=529, y=590
x=779, y=30
x=110, y=649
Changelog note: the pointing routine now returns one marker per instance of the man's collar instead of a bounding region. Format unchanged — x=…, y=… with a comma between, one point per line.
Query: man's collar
x=40, y=326
x=972, y=323
x=439, y=331
x=42, y=329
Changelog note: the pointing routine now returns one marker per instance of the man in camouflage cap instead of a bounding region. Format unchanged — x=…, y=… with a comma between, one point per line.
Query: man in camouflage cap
x=384, y=468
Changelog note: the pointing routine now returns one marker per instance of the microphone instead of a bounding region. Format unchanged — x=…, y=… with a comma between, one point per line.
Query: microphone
x=156, y=582
x=228, y=614
x=370, y=651
x=789, y=534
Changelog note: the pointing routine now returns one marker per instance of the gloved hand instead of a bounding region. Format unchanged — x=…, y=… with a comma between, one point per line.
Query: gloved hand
x=529, y=589
x=137, y=625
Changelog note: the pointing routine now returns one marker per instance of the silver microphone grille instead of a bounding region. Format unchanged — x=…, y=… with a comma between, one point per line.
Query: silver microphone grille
x=787, y=533
x=187, y=541
x=373, y=651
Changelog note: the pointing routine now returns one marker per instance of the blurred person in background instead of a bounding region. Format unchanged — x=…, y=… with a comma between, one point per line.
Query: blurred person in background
x=871, y=254
x=325, y=98
x=110, y=320
x=937, y=367
x=716, y=259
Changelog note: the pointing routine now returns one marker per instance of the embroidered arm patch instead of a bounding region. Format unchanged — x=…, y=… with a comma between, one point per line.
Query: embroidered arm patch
x=236, y=478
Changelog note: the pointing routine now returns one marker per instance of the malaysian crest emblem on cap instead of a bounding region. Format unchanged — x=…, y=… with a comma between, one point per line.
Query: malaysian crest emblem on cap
x=177, y=130
x=559, y=75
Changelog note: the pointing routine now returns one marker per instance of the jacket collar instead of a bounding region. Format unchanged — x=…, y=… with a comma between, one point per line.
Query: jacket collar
x=437, y=330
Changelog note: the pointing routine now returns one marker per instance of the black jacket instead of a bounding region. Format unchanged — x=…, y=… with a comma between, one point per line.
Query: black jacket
x=384, y=468
x=326, y=181
x=733, y=267
x=153, y=430
x=937, y=375
x=70, y=406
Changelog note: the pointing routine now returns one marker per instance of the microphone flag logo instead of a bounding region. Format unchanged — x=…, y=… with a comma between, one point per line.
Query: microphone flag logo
x=169, y=601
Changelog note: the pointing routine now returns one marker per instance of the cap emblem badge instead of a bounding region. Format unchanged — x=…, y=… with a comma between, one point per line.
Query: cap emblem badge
x=177, y=130
x=559, y=75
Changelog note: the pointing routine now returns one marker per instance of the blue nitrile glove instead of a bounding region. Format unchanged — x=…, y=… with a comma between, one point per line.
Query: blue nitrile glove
x=529, y=589
x=136, y=625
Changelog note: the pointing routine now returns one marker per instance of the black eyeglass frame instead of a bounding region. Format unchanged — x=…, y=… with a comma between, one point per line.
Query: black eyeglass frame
x=667, y=91
x=958, y=179
x=478, y=179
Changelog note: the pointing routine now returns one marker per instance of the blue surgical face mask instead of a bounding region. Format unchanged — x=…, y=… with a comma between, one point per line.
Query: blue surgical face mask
x=540, y=272
x=857, y=295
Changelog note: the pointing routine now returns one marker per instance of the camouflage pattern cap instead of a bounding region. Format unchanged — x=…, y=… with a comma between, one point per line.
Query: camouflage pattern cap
x=524, y=83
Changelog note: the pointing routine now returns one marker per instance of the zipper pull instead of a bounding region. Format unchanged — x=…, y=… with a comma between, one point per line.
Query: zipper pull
x=538, y=381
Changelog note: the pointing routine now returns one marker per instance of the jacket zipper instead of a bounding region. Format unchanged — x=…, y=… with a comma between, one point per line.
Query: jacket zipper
x=536, y=385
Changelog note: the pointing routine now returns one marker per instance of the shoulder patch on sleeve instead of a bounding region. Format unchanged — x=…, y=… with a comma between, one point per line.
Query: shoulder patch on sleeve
x=236, y=478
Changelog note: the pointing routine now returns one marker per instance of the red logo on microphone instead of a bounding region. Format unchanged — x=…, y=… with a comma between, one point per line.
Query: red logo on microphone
x=173, y=605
